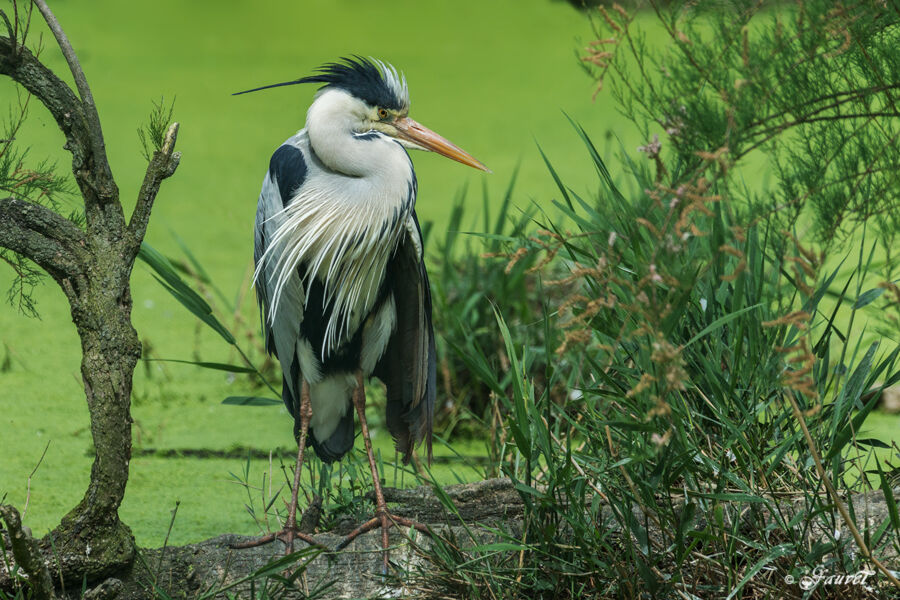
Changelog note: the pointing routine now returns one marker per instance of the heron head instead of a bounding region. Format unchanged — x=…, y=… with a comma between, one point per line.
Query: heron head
x=379, y=101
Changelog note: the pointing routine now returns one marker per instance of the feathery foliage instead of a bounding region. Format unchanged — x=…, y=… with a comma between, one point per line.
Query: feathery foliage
x=808, y=89
x=21, y=178
x=713, y=320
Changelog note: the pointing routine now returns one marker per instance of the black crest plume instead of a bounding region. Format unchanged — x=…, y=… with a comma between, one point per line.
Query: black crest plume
x=361, y=77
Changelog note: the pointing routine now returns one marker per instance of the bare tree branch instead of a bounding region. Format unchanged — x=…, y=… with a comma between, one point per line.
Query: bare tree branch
x=84, y=90
x=162, y=165
x=53, y=242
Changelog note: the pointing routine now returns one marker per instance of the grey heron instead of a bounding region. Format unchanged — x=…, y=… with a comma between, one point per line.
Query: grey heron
x=340, y=272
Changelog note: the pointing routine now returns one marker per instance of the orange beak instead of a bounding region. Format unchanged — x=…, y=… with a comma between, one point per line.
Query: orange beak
x=420, y=135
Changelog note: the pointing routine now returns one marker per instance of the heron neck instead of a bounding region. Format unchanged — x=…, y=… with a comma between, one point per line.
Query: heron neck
x=331, y=125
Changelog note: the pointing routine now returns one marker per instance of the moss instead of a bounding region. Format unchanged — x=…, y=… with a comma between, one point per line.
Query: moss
x=92, y=551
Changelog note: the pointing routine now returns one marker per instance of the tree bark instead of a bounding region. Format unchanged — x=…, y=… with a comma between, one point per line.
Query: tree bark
x=91, y=536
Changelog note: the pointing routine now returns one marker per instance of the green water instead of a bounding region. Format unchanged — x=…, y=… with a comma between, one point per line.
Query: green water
x=494, y=77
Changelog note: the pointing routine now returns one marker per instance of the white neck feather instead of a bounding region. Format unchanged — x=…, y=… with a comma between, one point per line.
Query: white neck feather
x=333, y=122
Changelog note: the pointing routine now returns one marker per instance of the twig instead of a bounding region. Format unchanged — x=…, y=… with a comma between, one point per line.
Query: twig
x=845, y=516
x=162, y=553
x=28, y=482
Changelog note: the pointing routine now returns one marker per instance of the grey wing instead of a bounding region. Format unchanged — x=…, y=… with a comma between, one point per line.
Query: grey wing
x=287, y=172
x=408, y=365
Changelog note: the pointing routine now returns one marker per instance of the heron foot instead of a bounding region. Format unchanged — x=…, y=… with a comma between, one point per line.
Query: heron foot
x=285, y=535
x=385, y=520
x=308, y=522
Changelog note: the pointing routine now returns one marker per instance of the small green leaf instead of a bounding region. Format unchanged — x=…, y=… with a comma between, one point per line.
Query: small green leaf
x=499, y=547
x=686, y=519
x=159, y=263
x=873, y=442
x=529, y=490
x=868, y=297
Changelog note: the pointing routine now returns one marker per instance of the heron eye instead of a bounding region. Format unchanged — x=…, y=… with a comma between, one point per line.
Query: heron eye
x=382, y=113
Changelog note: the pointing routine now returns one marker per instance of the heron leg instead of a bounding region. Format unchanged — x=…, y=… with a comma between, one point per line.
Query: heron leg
x=382, y=518
x=290, y=527
x=290, y=532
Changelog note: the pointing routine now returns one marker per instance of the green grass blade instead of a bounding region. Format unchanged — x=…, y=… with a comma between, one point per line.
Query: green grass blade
x=251, y=401
x=889, y=499
x=161, y=265
x=206, y=365
x=775, y=552
x=555, y=175
x=200, y=271
x=720, y=322
x=168, y=277
x=843, y=436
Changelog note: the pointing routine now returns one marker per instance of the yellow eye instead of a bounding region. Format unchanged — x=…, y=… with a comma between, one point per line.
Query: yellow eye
x=382, y=113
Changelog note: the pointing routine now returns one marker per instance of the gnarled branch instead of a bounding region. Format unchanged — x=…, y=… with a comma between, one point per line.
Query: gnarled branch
x=83, y=139
x=22, y=66
x=53, y=242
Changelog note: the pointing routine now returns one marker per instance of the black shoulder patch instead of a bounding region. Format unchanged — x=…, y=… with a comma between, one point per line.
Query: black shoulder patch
x=288, y=168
